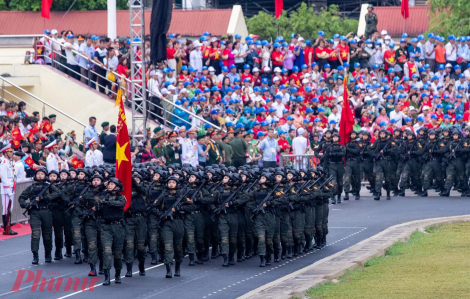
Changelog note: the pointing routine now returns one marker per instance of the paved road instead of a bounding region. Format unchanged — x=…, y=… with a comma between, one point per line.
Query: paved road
x=350, y=223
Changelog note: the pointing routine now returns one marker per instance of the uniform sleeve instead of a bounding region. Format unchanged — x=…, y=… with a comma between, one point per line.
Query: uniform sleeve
x=120, y=201
x=52, y=194
x=26, y=195
x=89, y=159
x=6, y=184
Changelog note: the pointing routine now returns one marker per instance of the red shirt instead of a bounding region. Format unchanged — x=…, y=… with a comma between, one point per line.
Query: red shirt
x=170, y=53
x=244, y=76
x=296, y=77
x=333, y=57
x=217, y=55
x=390, y=55
x=343, y=51
x=307, y=51
x=277, y=54
x=320, y=51
x=283, y=142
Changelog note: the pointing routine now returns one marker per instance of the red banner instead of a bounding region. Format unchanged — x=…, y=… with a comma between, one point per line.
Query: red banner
x=347, y=119
x=405, y=11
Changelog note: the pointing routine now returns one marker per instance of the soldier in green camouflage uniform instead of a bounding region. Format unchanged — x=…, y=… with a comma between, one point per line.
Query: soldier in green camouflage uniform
x=371, y=21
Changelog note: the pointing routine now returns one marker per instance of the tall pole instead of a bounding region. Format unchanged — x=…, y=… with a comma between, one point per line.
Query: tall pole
x=112, y=19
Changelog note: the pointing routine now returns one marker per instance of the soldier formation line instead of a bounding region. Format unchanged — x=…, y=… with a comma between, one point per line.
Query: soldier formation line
x=218, y=211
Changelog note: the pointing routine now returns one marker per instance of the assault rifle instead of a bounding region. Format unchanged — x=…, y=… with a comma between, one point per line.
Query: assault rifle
x=408, y=156
x=76, y=202
x=222, y=206
x=309, y=185
x=452, y=153
x=33, y=202
x=169, y=212
x=382, y=151
x=195, y=194
x=260, y=207
x=88, y=214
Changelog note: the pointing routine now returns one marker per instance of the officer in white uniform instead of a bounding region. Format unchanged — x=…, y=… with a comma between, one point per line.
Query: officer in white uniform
x=20, y=174
x=93, y=155
x=7, y=185
x=52, y=160
x=189, y=148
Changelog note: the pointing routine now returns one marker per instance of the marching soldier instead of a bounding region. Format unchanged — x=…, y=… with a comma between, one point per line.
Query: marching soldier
x=456, y=167
x=352, y=171
x=65, y=187
x=432, y=168
x=112, y=230
x=366, y=160
x=412, y=151
x=381, y=147
x=39, y=195
x=136, y=225
x=57, y=207
x=155, y=194
x=92, y=223
x=335, y=155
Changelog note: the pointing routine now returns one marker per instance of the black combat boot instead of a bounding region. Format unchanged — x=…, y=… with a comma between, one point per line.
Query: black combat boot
x=284, y=252
x=35, y=258
x=333, y=200
x=154, y=258
x=424, y=193
x=262, y=261
x=106, y=278
x=289, y=252
x=276, y=256
x=317, y=243
x=85, y=257
x=68, y=251
x=376, y=196
x=357, y=196
x=296, y=249
x=231, y=260
x=199, y=259
x=225, y=264
x=301, y=247
x=308, y=246
x=395, y=192
x=48, y=256
x=178, y=269
x=239, y=257
x=268, y=259
x=129, y=270
x=323, y=242
x=117, y=276
x=142, y=267
x=206, y=255
x=169, y=274
x=388, y=195
x=401, y=192
x=100, y=270
x=346, y=196
x=58, y=254
x=92, y=270
x=191, y=260
x=445, y=193
x=339, y=199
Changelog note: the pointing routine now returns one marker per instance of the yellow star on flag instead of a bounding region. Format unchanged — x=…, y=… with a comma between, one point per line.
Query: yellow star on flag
x=392, y=59
x=344, y=54
x=121, y=153
x=413, y=69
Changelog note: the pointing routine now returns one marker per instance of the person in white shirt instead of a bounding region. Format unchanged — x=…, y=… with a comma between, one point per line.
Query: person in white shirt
x=111, y=63
x=56, y=48
x=47, y=46
x=195, y=57
x=335, y=115
x=189, y=152
x=52, y=160
x=451, y=51
x=299, y=145
x=419, y=124
x=7, y=184
x=72, y=63
x=397, y=115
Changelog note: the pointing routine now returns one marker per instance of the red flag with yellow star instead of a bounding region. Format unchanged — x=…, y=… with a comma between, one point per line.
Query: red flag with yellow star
x=123, y=153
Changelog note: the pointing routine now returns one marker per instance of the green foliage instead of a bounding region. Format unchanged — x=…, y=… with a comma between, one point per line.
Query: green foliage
x=450, y=17
x=303, y=21
x=60, y=5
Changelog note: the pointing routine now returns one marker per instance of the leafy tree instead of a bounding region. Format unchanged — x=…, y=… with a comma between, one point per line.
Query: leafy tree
x=60, y=5
x=303, y=21
x=450, y=17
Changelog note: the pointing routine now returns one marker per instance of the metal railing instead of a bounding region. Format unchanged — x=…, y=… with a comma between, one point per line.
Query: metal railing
x=3, y=90
x=17, y=211
x=305, y=161
x=91, y=73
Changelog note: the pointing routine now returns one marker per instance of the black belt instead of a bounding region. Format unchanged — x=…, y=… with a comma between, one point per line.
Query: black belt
x=135, y=215
x=112, y=222
x=43, y=208
x=195, y=212
x=352, y=159
x=335, y=162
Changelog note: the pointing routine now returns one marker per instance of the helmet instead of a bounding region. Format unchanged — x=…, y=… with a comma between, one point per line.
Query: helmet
x=43, y=170
x=97, y=176
x=53, y=172
x=118, y=184
x=336, y=135
x=173, y=178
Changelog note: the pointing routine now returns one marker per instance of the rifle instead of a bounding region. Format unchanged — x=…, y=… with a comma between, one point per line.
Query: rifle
x=169, y=212
x=452, y=154
x=155, y=202
x=222, y=206
x=88, y=214
x=260, y=207
x=212, y=188
x=7, y=227
x=33, y=202
x=195, y=194
x=381, y=154
x=310, y=185
x=75, y=202
x=432, y=150
x=408, y=156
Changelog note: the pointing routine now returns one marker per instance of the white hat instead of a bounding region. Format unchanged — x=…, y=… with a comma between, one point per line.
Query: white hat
x=255, y=69
x=153, y=73
x=171, y=87
x=214, y=39
x=387, y=37
x=276, y=79
x=164, y=91
x=92, y=141
x=211, y=69
x=267, y=68
x=425, y=108
x=411, y=108
x=277, y=70
x=196, y=43
x=301, y=39
x=449, y=65
x=54, y=31
x=183, y=90
x=305, y=81
x=50, y=145
x=307, y=75
x=384, y=32
x=301, y=131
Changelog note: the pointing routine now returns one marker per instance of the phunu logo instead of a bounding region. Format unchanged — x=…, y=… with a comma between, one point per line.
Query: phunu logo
x=53, y=284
